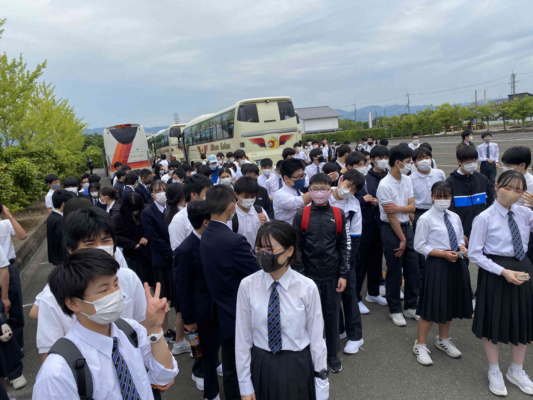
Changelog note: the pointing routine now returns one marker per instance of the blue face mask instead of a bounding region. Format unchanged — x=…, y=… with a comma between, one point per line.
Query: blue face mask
x=55, y=187
x=299, y=184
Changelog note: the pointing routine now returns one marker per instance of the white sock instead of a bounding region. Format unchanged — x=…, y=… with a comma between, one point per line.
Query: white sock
x=516, y=367
x=494, y=368
x=442, y=340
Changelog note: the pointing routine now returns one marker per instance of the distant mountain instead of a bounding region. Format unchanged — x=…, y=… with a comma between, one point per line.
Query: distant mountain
x=389, y=111
x=153, y=129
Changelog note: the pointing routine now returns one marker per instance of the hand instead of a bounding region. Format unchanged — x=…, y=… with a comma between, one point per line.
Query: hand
x=464, y=250
x=6, y=212
x=262, y=218
x=497, y=165
x=192, y=327
x=6, y=333
x=333, y=176
x=489, y=160
x=528, y=197
x=451, y=256
x=465, y=239
x=163, y=389
x=390, y=208
x=511, y=276
x=143, y=242
x=248, y=397
x=341, y=285
x=344, y=170
x=368, y=198
x=7, y=305
x=374, y=202
x=399, y=251
x=137, y=246
x=156, y=309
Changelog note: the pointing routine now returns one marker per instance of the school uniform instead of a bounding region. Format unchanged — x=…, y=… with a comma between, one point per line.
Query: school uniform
x=485, y=151
x=301, y=156
x=499, y=240
x=263, y=200
x=127, y=190
x=327, y=153
x=287, y=202
x=281, y=368
x=144, y=191
x=446, y=292
x=113, y=208
x=262, y=179
x=54, y=237
x=273, y=185
x=164, y=163
x=249, y=223
x=120, y=187
x=399, y=192
x=48, y=199
x=311, y=170
x=520, y=202
x=179, y=228
x=413, y=146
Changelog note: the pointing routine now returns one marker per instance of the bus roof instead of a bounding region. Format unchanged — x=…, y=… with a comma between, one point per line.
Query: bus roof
x=263, y=99
x=122, y=126
x=177, y=125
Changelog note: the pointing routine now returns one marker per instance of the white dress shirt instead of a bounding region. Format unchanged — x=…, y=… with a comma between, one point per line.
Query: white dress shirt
x=110, y=206
x=287, y=203
x=491, y=235
x=432, y=234
x=301, y=323
x=48, y=199
x=119, y=257
x=179, y=228
x=494, y=152
x=249, y=223
x=311, y=170
x=272, y=184
x=164, y=163
x=262, y=179
x=422, y=186
x=4, y=262
x=6, y=231
x=412, y=146
x=355, y=225
x=53, y=323
x=392, y=191
x=55, y=380
x=529, y=182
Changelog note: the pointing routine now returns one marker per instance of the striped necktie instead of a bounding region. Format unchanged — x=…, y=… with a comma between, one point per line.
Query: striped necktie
x=127, y=386
x=451, y=232
x=517, y=238
x=318, y=169
x=280, y=183
x=274, y=320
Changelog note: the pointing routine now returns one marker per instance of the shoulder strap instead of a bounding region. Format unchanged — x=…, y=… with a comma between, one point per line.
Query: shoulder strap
x=306, y=214
x=82, y=374
x=235, y=223
x=128, y=331
x=338, y=220
x=258, y=209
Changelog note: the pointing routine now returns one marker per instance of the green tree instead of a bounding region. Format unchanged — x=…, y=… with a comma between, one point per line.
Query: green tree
x=93, y=139
x=485, y=112
x=520, y=109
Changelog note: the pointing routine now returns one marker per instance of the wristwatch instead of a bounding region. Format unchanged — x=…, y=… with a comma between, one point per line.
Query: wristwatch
x=155, y=337
x=322, y=374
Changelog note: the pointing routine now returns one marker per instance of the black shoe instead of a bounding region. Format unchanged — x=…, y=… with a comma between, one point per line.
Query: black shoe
x=170, y=336
x=334, y=364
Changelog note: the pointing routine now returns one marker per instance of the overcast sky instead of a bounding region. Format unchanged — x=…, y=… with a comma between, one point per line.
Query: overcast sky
x=141, y=61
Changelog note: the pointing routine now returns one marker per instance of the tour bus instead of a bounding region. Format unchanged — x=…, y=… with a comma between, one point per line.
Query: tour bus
x=126, y=143
x=261, y=127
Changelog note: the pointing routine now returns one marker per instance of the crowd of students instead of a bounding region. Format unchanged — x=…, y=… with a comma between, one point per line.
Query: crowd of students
x=256, y=261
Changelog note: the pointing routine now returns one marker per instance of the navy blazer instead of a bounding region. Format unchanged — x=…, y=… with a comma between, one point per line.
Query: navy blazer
x=120, y=187
x=226, y=259
x=125, y=191
x=196, y=303
x=156, y=231
x=140, y=189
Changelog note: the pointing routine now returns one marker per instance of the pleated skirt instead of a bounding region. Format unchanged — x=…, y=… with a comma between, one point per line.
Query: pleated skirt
x=145, y=272
x=504, y=312
x=288, y=375
x=165, y=277
x=446, y=291
x=10, y=356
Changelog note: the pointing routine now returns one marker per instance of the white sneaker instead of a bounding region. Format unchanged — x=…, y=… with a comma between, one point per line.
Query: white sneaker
x=448, y=347
x=180, y=348
x=401, y=295
x=363, y=309
x=199, y=382
x=216, y=398
x=497, y=384
x=398, y=319
x=219, y=370
x=422, y=354
x=343, y=335
x=519, y=379
x=411, y=314
x=352, y=347
x=382, y=291
x=19, y=383
x=377, y=299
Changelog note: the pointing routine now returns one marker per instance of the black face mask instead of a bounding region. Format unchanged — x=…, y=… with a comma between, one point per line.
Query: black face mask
x=269, y=262
x=370, y=143
x=320, y=159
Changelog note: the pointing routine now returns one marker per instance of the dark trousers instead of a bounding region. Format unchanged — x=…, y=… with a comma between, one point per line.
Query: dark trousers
x=369, y=264
x=421, y=258
x=230, y=379
x=331, y=304
x=15, y=297
x=210, y=340
x=530, y=249
x=489, y=170
x=351, y=320
x=408, y=261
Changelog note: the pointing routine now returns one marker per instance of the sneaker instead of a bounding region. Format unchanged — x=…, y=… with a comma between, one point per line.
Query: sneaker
x=401, y=295
x=521, y=380
x=448, y=347
x=363, y=309
x=422, y=354
x=377, y=299
x=411, y=314
x=343, y=335
x=497, y=384
x=352, y=347
x=216, y=398
x=180, y=348
x=334, y=364
x=199, y=382
x=170, y=336
x=382, y=291
x=219, y=370
x=398, y=319
x=19, y=383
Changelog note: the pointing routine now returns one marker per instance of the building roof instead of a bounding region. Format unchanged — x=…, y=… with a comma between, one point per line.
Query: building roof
x=317, y=112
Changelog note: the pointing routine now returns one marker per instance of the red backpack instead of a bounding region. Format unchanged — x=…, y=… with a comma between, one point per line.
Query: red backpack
x=307, y=214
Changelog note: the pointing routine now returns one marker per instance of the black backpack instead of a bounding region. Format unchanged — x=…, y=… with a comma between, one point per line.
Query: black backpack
x=235, y=220
x=82, y=374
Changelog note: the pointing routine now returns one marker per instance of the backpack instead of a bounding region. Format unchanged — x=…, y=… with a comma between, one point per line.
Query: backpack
x=82, y=374
x=307, y=214
x=235, y=220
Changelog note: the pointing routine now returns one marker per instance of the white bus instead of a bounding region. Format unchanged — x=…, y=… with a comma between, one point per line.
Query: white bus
x=167, y=142
x=261, y=127
x=126, y=143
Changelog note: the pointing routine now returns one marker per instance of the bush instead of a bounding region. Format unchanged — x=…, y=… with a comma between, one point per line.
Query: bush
x=352, y=135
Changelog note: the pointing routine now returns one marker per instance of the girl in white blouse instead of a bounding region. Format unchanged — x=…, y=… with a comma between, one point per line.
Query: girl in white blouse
x=446, y=291
x=279, y=346
x=504, y=309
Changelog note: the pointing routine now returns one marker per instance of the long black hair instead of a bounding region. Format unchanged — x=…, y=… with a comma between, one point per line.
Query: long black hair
x=131, y=208
x=281, y=232
x=174, y=193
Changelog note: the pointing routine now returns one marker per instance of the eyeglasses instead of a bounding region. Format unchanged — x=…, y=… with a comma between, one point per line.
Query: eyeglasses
x=315, y=190
x=295, y=178
x=266, y=254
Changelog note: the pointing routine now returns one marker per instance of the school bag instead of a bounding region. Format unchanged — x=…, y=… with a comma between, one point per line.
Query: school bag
x=235, y=220
x=307, y=214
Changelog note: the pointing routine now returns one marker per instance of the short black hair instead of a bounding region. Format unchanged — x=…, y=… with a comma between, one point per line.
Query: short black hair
x=94, y=186
x=218, y=198
x=131, y=178
x=355, y=177
x=239, y=154
x=414, y=134
x=121, y=173
x=126, y=167
x=320, y=178
x=61, y=196
x=204, y=170
x=181, y=174
x=355, y=157
x=186, y=167
x=94, y=178
x=163, y=156
x=297, y=144
x=329, y=167
x=282, y=232
x=266, y=162
x=197, y=212
x=86, y=223
x=250, y=169
x=517, y=155
x=174, y=164
x=51, y=178
x=383, y=142
x=427, y=146
x=379, y=151
x=246, y=185
x=441, y=189
x=145, y=173
x=343, y=150
x=466, y=153
x=315, y=153
x=289, y=151
x=466, y=132
x=485, y=134
x=347, y=142
x=116, y=165
x=289, y=167
x=399, y=153
x=403, y=144
x=421, y=152
x=158, y=184
x=70, y=182
x=197, y=165
x=112, y=193
x=229, y=154
x=314, y=141
x=84, y=176
x=75, y=204
x=71, y=278
x=507, y=178
x=195, y=184
x=278, y=166
x=220, y=154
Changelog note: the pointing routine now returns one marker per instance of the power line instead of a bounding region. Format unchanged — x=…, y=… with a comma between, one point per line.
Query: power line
x=458, y=88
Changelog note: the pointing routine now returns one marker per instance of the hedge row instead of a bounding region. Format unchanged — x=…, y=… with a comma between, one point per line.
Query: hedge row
x=351, y=135
x=22, y=172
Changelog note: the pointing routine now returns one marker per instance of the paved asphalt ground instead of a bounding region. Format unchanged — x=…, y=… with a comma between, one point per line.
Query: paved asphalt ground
x=385, y=369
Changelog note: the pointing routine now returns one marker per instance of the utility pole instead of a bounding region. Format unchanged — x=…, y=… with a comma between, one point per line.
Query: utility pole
x=476, y=100
x=408, y=104
x=354, y=112
x=513, y=83
x=176, y=118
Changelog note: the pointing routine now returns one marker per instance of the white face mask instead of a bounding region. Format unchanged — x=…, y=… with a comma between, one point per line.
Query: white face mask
x=231, y=159
x=267, y=172
x=470, y=167
x=382, y=164
x=94, y=195
x=405, y=170
x=315, y=146
x=108, y=309
x=243, y=161
x=108, y=249
x=161, y=198
x=343, y=192
x=86, y=185
x=225, y=181
x=213, y=166
x=72, y=190
x=102, y=201
x=442, y=205
x=220, y=162
x=297, y=150
x=423, y=165
x=362, y=170
x=247, y=203
x=415, y=142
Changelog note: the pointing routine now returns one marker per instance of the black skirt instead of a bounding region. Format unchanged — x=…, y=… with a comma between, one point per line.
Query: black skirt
x=446, y=291
x=504, y=312
x=165, y=277
x=288, y=375
x=145, y=272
